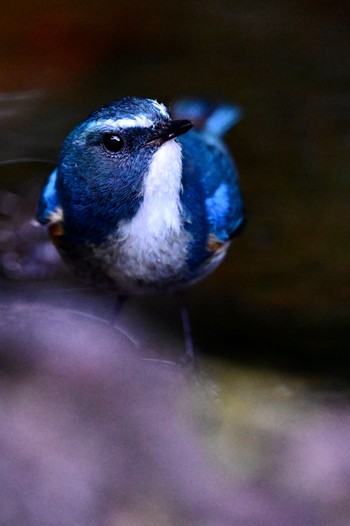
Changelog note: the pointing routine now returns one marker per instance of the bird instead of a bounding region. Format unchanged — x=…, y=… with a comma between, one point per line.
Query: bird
x=145, y=200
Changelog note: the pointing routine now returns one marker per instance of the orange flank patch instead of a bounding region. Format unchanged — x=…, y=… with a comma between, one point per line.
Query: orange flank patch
x=213, y=244
x=56, y=231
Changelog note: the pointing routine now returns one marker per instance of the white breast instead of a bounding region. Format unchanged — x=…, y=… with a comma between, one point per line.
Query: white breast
x=161, y=209
x=152, y=246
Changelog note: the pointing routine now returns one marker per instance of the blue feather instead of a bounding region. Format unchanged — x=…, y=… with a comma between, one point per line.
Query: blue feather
x=215, y=119
x=49, y=201
x=212, y=202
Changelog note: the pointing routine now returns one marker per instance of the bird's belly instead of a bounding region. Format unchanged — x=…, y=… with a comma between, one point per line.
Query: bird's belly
x=144, y=264
x=141, y=264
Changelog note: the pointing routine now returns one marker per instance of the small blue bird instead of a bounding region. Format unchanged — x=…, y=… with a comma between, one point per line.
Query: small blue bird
x=141, y=201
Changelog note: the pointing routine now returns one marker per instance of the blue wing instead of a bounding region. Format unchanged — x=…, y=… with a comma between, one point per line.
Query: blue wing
x=225, y=212
x=208, y=167
x=49, y=203
x=211, y=194
x=223, y=201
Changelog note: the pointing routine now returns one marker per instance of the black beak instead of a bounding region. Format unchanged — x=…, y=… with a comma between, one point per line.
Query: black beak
x=169, y=131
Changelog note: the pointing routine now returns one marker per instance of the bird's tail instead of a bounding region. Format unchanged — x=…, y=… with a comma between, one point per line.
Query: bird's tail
x=214, y=118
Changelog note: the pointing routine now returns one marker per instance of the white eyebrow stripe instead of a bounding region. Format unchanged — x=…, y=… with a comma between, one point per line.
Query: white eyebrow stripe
x=137, y=121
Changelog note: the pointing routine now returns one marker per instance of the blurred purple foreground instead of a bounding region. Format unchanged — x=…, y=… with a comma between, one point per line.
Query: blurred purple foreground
x=92, y=434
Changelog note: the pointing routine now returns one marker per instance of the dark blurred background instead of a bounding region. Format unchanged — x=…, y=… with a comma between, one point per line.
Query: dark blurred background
x=90, y=432
x=282, y=295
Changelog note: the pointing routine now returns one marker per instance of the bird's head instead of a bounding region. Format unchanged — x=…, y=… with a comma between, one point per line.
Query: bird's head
x=105, y=159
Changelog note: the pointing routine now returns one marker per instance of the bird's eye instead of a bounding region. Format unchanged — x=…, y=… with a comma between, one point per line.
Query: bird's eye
x=112, y=142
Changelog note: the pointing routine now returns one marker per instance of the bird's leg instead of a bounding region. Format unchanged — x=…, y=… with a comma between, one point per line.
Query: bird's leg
x=186, y=325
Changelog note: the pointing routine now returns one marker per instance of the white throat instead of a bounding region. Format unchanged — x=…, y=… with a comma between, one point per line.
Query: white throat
x=160, y=211
x=162, y=186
